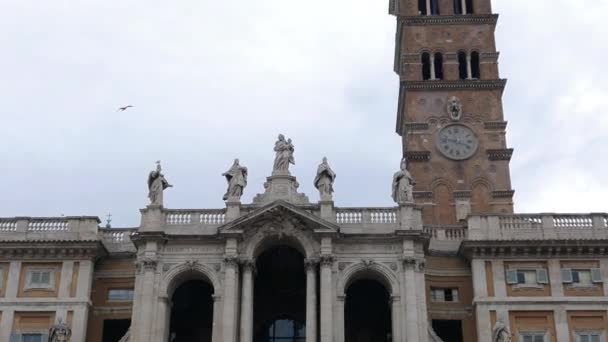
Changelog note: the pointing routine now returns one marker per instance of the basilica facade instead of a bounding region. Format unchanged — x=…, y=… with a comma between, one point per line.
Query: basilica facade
x=450, y=261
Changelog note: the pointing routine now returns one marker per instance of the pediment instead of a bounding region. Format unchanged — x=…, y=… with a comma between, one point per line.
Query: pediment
x=277, y=215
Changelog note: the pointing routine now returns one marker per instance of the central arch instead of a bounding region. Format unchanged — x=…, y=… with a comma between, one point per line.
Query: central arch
x=367, y=312
x=279, y=313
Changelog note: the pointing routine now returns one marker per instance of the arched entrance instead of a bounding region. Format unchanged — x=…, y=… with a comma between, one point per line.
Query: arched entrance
x=192, y=312
x=280, y=296
x=367, y=312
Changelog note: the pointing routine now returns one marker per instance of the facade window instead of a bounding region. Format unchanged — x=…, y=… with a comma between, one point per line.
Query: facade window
x=438, y=63
x=286, y=330
x=468, y=65
x=475, y=70
x=527, y=277
x=463, y=6
x=589, y=336
x=532, y=337
x=432, y=66
x=582, y=277
x=40, y=279
x=426, y=66
x=463, y=65
x=120, y=295
x=444, y=295
x=428, y=7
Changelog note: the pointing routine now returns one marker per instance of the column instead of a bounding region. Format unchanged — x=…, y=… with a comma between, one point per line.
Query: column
x=148, y=302
x=484, y=326
x=79, y=323
x=247, y=302
x=432, y=66
x=463, y=5
x=229, y=313
x=411, y=307
x=396, y=318
x=480, y=288
x=6, y=324
x=561, y=324
x=326, y=298
x=160, y=331
x=311, y=300
x=555, y=278
x=340, y=301
x=428, y=7
x=469, y=71
x=216, y=334
x=421, y=300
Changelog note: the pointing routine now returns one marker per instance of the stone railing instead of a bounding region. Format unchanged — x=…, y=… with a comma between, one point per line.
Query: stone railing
x=117, y=240
x=56, y=228
x=446, y=232
x=366, y=215
x=195, y=217
x=539, y=226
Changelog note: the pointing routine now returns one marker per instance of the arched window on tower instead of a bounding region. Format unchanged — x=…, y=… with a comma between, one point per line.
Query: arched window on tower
x=426, y=66
x=475, y=69
x=462, y=65
x=463, y=7
x=434, y=7
x=428, y=7
x=422, y=7
x=438, y=63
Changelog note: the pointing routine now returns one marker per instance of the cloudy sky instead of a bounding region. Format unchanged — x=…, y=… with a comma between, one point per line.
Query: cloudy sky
x=214, y=80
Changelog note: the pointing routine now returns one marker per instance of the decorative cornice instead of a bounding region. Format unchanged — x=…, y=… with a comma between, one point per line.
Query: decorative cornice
x=490, y=56
x=463, y=194
x=498, y=84
x=525, y=249
x=416, y=126
x=417, y=156
x=495, y=125
x=503, y=193
x=423, y=194
x=423, y=20
x=500, y=154
x=51, y=250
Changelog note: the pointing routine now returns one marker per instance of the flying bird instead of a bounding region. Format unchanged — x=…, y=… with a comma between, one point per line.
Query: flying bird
x=122, y=109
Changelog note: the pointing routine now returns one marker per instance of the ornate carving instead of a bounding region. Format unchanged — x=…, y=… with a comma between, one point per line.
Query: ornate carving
x=367, y=263
x=60, y=332
x=248, y=265
x=503, y=193
x=236, y=177
x=231, y=261
x=403, y=185
x=417, y=156
x=454, y=108
x=495, y=125
x=500, y=154
x=146, y=264
x=311, y=264
x=342, y=265
x=327, y=260
x=413, y=263
x=191, y=264
x=156, y=185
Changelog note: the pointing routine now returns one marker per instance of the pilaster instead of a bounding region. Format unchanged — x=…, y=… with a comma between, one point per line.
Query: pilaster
x=311, y=299
x=327, y=262
x=229, y=319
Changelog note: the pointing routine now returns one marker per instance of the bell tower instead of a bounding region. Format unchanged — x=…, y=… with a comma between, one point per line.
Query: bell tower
x=450, y=113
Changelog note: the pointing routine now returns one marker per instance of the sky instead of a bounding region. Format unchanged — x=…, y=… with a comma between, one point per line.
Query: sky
x=211, y=81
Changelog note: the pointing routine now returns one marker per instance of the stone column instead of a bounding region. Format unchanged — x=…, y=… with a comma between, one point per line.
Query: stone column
x=463, y=5
x=327, y=326
x=411, y=307
x=432, y=59
x=484, y=325
x=469, y=70
x=148, y=302
x=340, y=302
x=396, y=318
x=247, y=302
x=216, y=333
x=428, y=7
x=480, y=288
x=160, y=331
x=229, y=314
x=311, y=300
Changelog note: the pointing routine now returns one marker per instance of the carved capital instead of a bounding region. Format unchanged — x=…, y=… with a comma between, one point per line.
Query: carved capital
x=248, y=265
x=311, y=264
x=327, y=260
x=146, y=264
x=231, y=261
x=216, y=298
x=414, y=263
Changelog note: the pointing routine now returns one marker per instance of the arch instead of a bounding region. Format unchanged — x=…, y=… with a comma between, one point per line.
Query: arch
x=185, y=272
x=266, y=238
x=373, y=271
x=426, y=66
x=475, y=67
x=438, y=65
x=444, y=211
x=462, y=65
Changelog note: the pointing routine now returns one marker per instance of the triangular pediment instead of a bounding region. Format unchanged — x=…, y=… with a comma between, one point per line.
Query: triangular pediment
x=279, y=213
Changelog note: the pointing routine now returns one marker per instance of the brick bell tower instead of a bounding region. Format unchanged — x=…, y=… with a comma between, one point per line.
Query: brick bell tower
x=450, y=112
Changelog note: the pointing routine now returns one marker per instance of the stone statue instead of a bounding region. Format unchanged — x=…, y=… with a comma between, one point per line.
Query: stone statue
x=237, y=181
x=455, y=108
x=403, y=185
x=324, y=181
x=500, y=333
x=284, y=154
x=156, y=185
x=60, y=332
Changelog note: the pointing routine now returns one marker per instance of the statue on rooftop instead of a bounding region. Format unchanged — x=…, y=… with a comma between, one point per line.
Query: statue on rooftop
x=236, y=177
x=284, y=150
x=60, y=332
x=500, y=333
x=324, y=181
x=403, y=185
x=156, y=185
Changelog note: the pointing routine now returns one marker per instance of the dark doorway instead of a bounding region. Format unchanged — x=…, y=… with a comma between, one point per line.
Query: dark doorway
x=367, y=313
x=192, y=312
x=279, y=313
x=448, y=330
x=114, y=329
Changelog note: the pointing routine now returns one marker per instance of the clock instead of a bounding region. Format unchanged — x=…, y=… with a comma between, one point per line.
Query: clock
x=457, y=142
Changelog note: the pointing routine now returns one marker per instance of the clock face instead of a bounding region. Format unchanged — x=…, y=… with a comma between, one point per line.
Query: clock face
x=457, y=142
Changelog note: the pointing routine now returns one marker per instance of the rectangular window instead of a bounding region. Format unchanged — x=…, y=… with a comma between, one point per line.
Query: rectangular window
x=40, y=279
x=120, y=295
x=527, y=277
x=589, y=336
x=532, y=337
x=444, y=295
x=582, y=277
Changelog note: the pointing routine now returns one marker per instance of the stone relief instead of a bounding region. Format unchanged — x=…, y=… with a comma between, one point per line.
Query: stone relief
x=454, y=108
x=324, y=181
x=60, y=332
x=236, y=177
x=403, y=185
x=284, y=150
x=156, y=185
x=501, y=333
